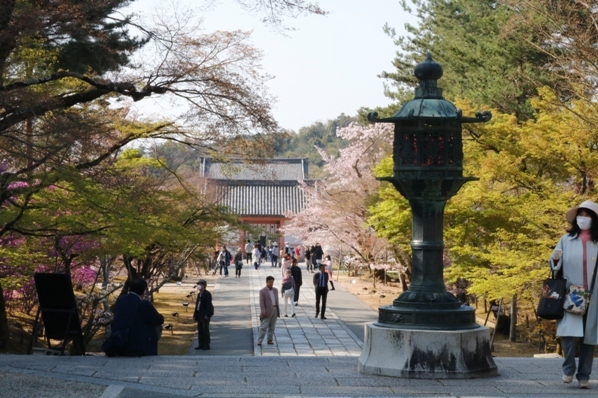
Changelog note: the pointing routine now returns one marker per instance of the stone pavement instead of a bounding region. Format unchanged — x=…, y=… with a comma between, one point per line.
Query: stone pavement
x=311, y=358
x=303, y=335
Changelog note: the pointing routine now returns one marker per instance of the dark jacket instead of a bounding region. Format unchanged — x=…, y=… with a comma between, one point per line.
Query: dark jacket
x=318, y=253
x=239, y=260
x=296, y=273
x=226, y=257
x=317, y=279
x=142, y=319
x=206, y=308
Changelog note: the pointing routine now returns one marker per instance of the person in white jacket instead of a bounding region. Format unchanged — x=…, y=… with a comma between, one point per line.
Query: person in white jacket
x=576, y=255
x=256, y=256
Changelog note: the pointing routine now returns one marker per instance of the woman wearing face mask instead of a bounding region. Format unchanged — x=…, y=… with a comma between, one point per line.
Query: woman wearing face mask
x=576, y=254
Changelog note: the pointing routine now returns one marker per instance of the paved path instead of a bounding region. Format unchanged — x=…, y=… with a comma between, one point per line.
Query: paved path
x=312, y=358
x=235, y=326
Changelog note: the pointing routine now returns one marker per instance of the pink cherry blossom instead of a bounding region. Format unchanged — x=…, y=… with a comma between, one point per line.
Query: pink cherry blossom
x=336, y=210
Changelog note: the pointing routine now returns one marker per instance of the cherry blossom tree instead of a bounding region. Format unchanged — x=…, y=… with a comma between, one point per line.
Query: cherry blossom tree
x=336, y=213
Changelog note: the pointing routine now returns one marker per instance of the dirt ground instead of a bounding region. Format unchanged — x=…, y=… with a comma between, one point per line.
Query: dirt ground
x=384, y=294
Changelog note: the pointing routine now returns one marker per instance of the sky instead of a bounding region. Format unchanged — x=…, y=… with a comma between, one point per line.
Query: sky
x=328, y=65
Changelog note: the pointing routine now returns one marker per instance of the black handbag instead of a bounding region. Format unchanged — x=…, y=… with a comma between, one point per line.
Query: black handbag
x=116, y=343
x=553, y=297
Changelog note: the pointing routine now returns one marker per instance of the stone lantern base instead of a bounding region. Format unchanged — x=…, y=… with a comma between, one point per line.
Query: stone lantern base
x=427, y=354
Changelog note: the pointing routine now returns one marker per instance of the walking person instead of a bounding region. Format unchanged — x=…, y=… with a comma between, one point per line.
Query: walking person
x=318, y=253
x=288, y=293
x=298, y=278
x=248, y=251
x=321, y=286
x=269, y=311
x=256, y=256
x=287, y=249
x=238, y=260
x=286, y=264
x=274, y=255
x=328, y=268
x=204, y=310
x=263, y=255
x=216, y=261
x=224, y=259
x=575, y=254
x=308, y=265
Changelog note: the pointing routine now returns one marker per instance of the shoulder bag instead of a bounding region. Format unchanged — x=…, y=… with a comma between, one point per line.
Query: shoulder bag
x=578, y=297
x=551, y=305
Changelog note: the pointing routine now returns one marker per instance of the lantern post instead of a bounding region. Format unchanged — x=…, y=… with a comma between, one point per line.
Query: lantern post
x=427, y=331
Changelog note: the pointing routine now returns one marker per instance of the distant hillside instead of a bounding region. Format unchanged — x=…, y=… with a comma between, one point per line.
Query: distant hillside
x=185, y=160
x=303, y=143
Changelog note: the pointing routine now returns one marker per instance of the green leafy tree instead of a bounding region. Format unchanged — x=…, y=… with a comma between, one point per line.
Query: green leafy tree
x=150, y=220
x=499, y=231
x=482, y=61
x=307, y=141
x=62, y=63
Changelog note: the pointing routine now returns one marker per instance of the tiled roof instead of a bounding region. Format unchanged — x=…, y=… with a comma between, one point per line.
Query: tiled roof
x=265, y=188
x=273, y=169
x=261, y=198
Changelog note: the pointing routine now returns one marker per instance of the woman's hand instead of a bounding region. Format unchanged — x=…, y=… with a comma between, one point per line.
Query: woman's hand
x=556, y=254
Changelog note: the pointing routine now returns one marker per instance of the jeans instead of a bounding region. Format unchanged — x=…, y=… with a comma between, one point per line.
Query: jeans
x=586, y=358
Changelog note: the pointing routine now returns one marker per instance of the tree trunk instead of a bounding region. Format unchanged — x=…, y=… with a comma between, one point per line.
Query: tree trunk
x=403, y=279
x=4, y=331
x=513, y=326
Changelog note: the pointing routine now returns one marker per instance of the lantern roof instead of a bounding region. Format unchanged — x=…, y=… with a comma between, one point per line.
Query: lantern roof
x=428, y=102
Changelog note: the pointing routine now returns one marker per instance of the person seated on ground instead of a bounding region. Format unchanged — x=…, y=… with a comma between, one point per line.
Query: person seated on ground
x=142, y=319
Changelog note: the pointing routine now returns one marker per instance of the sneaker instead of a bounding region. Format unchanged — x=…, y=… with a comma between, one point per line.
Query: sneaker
x=584, y=384
x=270, y=342
x=567, y=379
x=293, y=315
x=286, y=316
x=259, y=343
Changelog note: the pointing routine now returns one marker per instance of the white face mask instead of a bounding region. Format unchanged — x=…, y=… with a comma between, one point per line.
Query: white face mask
x=584, y=223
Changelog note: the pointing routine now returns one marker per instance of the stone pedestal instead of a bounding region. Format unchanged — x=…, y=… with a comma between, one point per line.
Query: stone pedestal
x=427, y=354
